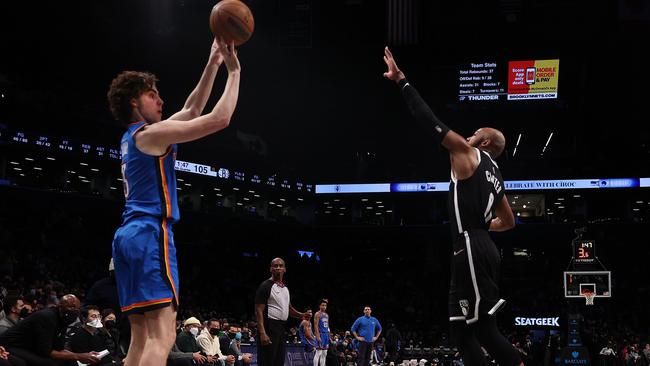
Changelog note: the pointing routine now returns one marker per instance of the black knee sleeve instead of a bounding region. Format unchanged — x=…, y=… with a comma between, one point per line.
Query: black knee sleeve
x=496, y=344
x=463, y=337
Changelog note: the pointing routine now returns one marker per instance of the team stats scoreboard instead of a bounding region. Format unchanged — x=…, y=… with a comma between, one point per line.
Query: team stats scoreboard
x=511, y=80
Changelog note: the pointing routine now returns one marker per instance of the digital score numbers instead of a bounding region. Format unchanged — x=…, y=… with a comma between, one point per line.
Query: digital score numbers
x=585, y=251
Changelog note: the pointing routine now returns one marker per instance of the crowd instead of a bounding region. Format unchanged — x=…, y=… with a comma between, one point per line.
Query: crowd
x=52, y=246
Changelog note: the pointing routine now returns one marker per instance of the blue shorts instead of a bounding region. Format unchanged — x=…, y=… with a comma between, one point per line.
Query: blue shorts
x=309, y=346
x=145, y=265
x=324, y=341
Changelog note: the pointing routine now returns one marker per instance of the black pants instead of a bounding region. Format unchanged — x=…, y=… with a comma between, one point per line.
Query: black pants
x=365, y=348
x=12, y=361
x=273, y=354
x=470, y=338
x=392, y=353
x=32, y=359
x=180, y=362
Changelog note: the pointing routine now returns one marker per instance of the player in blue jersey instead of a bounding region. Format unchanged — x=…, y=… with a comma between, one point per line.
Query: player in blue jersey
x=143, y=246
x=305, y=333
x=322, y=332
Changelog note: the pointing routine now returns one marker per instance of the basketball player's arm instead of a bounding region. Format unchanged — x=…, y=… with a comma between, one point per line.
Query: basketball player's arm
x=308, y=334
x=505, y=220
x=158, y=136
x=316, y=330
x=199, y=97
x=463, y=157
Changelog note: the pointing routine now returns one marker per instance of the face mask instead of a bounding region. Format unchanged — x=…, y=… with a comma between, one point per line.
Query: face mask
x=231, y=335
x=109, y=324
x=24, y=312
x=68, y=317
x=238, y=336
x=95, y=323
x=214, y=331
x=194, y=331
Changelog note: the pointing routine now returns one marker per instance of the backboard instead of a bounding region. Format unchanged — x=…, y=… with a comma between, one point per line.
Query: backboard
x=577, y=282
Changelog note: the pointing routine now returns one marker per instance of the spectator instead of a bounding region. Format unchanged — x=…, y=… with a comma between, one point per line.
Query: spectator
x=186, y=340
x=208, y=342
x=111, y=334
x=38, y=339
x=88, y=337
x=235, y=335
x=15, y=310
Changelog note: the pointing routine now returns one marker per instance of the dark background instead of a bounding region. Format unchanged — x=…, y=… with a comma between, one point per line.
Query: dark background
x=312, y=91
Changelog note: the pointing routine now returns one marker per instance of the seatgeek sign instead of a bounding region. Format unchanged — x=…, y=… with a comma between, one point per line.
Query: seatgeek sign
x=550, y=322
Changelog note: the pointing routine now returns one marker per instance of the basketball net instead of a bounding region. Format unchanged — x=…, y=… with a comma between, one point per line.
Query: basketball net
x=589, y=297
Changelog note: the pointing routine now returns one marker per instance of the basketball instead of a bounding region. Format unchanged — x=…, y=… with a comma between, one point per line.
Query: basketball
x=232, y=20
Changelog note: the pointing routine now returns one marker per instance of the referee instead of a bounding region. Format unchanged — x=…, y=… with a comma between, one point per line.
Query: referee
x=272, y=309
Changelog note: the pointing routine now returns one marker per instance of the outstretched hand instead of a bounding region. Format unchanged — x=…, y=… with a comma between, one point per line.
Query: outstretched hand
x=229, y=54
x=393, y=73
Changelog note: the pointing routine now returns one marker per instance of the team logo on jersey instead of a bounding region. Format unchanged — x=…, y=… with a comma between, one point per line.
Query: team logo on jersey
x=464, y=306
x=125, y=148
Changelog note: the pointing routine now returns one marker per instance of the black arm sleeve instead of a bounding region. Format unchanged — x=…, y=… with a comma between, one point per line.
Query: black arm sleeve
x=423, y=114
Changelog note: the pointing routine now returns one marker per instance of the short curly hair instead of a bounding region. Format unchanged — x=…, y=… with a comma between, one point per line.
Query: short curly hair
x=126, y=86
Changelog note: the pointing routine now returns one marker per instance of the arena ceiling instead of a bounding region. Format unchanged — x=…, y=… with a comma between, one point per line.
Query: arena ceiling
x=313, y=101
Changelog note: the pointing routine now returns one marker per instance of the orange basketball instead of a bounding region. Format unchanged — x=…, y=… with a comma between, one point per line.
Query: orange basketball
x=232, y=20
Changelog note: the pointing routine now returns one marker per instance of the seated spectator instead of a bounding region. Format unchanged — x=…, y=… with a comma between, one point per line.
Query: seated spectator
x=235, y=346
x=89, y=337
x=186, y=340
x=111, y=333
x=208, y=341
x=15, y=310
x=38, y=339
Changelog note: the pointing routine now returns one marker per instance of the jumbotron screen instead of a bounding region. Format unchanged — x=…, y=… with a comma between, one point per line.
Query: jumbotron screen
x=511, y=80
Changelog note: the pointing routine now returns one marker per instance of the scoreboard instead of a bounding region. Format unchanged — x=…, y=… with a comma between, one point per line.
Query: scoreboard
x=511, y=80
x=584, y=251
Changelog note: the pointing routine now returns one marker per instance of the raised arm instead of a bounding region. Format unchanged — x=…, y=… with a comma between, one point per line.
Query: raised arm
x=199, y=97
x=463, y=157
x=158, y=136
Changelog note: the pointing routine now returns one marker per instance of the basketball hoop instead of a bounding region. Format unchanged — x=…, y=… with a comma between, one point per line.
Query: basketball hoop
x=589, y=297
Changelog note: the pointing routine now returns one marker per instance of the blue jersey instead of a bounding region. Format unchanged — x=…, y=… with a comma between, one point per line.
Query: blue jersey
x=323, y=323
x=324, y=330
x=308, y=344
x=149, y=181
